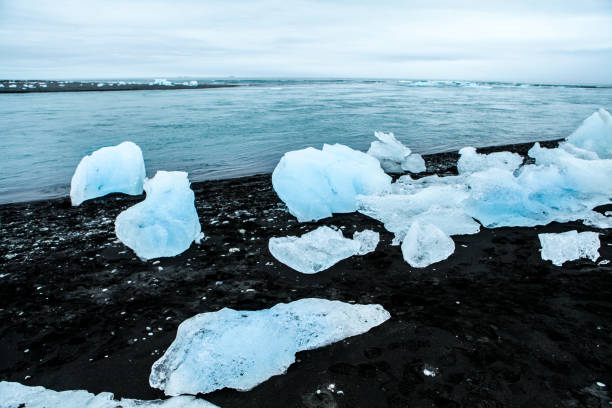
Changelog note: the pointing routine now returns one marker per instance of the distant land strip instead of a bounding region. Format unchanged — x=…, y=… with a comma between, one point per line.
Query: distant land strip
x=30, y=86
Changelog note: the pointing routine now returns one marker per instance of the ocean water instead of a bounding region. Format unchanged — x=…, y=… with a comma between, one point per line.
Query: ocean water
x=232, y=132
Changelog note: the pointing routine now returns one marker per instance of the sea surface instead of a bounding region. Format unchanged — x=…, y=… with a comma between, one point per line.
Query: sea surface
x=232, y=132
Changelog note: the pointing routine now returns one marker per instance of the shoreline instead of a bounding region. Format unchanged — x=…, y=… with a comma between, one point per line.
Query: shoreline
x=437, y=163
x=494, y=322
x=24, y=86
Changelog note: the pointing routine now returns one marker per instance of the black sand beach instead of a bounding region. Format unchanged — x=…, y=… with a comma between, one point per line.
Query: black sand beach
x=498, y=326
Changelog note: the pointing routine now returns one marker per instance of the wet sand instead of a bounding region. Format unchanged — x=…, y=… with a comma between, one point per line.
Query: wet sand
x=498, y=326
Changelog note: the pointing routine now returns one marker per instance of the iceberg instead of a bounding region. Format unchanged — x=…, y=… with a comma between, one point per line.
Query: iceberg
x=16, y=395
x=393, y=156
x=114, y=169
x=241, y=349
x=316, y=183
x=595, y=134
x=318, y=250
x=425, y=244
x=166, y=222
x=471, y=162
x=569, y=246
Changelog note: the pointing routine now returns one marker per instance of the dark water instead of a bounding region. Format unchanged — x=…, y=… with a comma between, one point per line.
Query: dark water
x=230, y=132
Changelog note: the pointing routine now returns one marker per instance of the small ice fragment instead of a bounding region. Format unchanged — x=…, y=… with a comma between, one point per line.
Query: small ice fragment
x=368, y=241
x=232, y=250
x=241, y=349
x=114, y=169
x=318, y=250
x=426, y=244
x=600, y=384
x=166, y=222
x=429, y=373
x=569, y=246
x=414, y=163
x=603, y=262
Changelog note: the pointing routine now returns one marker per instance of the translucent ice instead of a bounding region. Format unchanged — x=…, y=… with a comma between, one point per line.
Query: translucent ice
x=389, y=151
x=241, y=349
x=368, y=241
x=595, y=134
x=317, y=250
x=437, y=204
x=425, y=244
x=166, y=222
x=569, y=246
x=470, y=161
x=316, y=183
x=414, y=163
x=15, y=395
x=393, y=156
x=114, y=169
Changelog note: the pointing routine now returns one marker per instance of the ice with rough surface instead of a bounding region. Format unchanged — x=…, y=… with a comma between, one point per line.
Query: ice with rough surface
x=166, y=222
x=569, y=246
x=393, y=156
x=368, y=241
x=432, y=203
x=316, y=183
x=16, y=395
x=470, y=161
x=317, y=250
x=425, y=244
x=241, y=349
x=595, y=134
x=113, y=169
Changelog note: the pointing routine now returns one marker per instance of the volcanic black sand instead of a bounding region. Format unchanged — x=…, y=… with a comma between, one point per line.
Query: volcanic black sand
x=498, y=326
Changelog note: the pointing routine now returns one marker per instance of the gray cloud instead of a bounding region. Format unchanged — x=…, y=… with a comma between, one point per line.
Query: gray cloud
x=552, y=41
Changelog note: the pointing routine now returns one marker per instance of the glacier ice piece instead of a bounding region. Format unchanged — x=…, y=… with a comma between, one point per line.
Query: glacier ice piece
x=113, y=169
x=368, y=241
x=438, y=204
x=569, y=246
x=425, y=244
x=241, y=349
x=319, y=249
x=414, y=163
x=393, y=156
x=15, y=395
x=389, y=151
x=470, y=161
x=316, y=183
x=166, y=222
x=595, y=134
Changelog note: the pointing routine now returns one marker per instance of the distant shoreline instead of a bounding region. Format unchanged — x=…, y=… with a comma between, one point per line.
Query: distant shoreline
x=13, y=87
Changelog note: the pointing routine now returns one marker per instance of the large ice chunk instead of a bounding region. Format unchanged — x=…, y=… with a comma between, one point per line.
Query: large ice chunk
x=166, y=222
x=425, y=244
x=569, y=246
x=595, y=134
x=316, y=183
x=470, y=161
x=241, y=349
x=393, y=156
x=114, y=169
x=317, y=250
x=15, y=395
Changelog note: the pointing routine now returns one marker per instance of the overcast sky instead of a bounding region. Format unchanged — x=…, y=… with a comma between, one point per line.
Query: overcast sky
x=511, y=40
